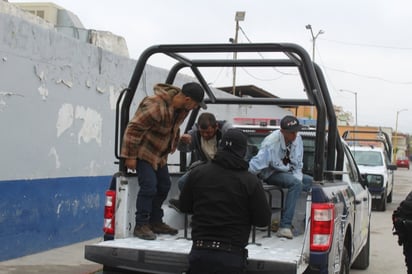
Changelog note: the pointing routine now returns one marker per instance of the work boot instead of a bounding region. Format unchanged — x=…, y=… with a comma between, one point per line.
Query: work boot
x=162, y=228
x=175, y=204
x=285, y=233
x=144, y=232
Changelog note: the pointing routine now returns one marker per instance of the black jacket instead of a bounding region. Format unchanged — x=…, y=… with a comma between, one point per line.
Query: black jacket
x=225, y=200
x=402, y=221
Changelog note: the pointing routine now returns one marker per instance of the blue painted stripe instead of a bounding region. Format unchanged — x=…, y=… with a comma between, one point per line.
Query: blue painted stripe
x=37, y=215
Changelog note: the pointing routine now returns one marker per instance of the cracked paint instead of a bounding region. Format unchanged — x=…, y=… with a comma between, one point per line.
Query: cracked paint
x=113, y=96
x=53, y=152
x=39, y=72
x=44, y=92
x=65, y=118
x=92, y=125
x=65, y=82
x=3, y=104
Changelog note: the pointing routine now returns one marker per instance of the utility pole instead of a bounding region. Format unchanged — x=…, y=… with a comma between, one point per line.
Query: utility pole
x=314, y=37
x=309, y=27
x=356, y=108
x=240, y=16
x=395, y=139
x=356, y=104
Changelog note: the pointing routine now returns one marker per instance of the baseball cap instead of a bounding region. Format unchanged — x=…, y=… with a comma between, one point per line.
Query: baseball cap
x=234, y=141
x=194, y=91
x=290, y=123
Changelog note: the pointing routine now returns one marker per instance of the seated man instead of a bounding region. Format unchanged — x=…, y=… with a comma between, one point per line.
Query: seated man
x=279, y=162
x=202, y=141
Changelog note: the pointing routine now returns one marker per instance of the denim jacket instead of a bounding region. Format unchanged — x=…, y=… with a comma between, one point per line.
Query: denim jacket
x=269, y=158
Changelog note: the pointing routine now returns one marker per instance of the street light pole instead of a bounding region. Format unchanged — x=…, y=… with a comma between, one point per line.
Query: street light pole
x=240, y=16
x=356, y=109
x=309, y=27
x=395, y=140
x=356, y=104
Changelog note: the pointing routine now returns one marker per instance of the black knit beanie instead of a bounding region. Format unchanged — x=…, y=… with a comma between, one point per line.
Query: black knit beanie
x=234, y=141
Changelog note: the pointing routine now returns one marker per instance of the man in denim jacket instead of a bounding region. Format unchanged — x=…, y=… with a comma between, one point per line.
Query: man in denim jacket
x=280, y=162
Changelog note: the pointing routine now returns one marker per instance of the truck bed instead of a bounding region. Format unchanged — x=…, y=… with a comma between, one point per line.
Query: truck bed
x=168, y=254
x=172, y=251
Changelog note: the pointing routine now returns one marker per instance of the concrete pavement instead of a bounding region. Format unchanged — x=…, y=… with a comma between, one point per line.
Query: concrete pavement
x=64, y=260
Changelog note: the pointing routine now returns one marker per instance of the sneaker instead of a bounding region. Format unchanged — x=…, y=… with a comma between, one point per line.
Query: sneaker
x=285, y=233
x=274, y=226
x=162, y=228
x=144, y=232
x=175, y=204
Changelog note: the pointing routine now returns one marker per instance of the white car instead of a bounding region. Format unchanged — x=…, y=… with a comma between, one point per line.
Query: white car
x=375, y=162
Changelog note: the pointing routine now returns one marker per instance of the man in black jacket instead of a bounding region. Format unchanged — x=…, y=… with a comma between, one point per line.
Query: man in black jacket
x=225, y=200
x=402, y=224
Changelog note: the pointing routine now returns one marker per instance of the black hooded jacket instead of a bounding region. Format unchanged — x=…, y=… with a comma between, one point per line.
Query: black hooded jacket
x=225, y=200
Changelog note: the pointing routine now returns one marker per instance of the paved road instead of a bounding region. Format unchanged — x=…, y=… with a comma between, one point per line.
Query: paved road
x=386, y=256
x=64, y=260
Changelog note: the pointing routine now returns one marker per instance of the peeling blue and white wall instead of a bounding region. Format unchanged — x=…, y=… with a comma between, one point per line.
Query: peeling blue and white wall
x=57, y=110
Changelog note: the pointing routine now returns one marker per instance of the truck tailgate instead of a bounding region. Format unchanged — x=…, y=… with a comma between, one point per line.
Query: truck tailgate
x=168, y=254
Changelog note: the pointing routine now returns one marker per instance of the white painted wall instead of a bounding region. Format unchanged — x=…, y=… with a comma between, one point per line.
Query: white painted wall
x=58, y=97
x=57, y=100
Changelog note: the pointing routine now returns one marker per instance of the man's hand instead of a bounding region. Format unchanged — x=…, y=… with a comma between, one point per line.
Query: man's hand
x=131, y=164
x=186, y=138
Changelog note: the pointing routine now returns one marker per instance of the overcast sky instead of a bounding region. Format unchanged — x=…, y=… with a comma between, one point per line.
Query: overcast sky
x=366, y=46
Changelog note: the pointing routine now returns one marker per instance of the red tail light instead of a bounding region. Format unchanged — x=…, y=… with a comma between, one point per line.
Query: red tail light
x=321, y=226
x=109, y=210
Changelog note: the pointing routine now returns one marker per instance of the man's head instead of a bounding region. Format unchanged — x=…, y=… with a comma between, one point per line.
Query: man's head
x=289, y=126
x=207, y=125
x=194, y=93
x=234, y=141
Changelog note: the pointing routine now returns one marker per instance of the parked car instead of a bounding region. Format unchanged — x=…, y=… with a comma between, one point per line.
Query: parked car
x=402, y=162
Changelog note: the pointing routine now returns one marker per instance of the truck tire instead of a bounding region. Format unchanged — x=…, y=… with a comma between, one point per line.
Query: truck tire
x=345, y=261
x=389, y=199
x=383, y=201
x=362, y=261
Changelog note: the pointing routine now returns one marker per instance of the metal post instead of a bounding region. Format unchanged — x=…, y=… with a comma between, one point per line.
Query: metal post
x=240, y=16
x=395, y=139
x=309, y=27
x=356, y=108
x=356, y=104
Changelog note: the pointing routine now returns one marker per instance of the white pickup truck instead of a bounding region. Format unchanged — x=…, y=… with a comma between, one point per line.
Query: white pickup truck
x=372, y=151
x=332, y=222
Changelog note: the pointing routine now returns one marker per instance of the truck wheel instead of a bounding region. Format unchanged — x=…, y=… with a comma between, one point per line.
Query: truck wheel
x=389, y=199
x=362, y=261
x=382, y=206
x=344, y=263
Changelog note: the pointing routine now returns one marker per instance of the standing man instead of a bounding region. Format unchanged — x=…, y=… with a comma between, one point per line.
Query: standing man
x=150, y=136
x=225, y=200
x=280, y=162
x=402, y=225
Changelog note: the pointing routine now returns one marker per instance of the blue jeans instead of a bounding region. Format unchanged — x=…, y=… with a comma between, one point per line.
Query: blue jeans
x=295, y=187
x=154, y=187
